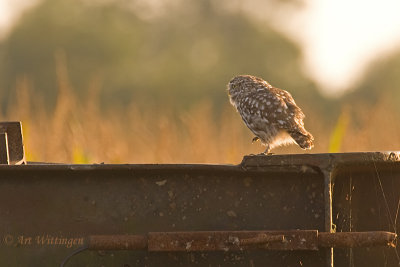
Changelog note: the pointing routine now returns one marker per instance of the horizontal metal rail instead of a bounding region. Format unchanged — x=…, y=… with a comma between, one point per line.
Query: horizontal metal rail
x=240, y=240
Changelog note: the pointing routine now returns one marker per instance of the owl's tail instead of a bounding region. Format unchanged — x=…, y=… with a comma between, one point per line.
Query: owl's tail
x=303, y=138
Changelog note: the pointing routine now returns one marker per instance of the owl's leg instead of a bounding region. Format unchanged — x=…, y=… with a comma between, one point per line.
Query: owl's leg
x=256, y=138
x=267, y=151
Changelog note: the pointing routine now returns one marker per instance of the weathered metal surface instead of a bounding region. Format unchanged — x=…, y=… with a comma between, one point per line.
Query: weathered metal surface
x=117, y=242
x=240, y=240
x=4, y=155
x=47, y=210
x=357, y=161
x=233, y=240
x=330, y=165
x=328, y=177
x=11, y=143
x=74, y=201
x=262, y=239
x=356, y=239
x=367, y=201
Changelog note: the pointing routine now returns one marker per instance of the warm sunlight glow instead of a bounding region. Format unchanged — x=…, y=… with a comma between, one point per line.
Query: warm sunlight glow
x=10, y=10
x=341, y=36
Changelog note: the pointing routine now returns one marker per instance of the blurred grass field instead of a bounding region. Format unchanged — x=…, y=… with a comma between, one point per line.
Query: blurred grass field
x=80, y=131
x=108, y=84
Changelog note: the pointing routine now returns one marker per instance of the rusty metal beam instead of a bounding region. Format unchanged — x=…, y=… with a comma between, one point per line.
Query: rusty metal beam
x=356, y=239
x=330, y=165
x=262, y=239
x=11, y=143
x=4, y=155
x=328, y=177
x=240, y=240
x=118, y=242
x=233, y=240
x=263, y=192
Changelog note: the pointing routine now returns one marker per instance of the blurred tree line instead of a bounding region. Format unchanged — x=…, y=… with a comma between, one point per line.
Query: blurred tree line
x=381, y=81
x=181, y=54
x=186, y=53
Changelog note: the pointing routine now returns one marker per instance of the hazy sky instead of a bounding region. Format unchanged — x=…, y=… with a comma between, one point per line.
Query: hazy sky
x=10, y=10
x=339, y=37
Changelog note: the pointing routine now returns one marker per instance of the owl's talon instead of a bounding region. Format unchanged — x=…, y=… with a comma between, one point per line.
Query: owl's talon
x=255, y=139
x=265, y=154
x=267, y=151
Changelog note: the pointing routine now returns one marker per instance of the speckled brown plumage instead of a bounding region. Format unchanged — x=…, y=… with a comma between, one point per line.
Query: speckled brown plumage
x=269, y=112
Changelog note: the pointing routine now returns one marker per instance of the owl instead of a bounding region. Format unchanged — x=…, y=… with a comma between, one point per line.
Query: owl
x=270, y=113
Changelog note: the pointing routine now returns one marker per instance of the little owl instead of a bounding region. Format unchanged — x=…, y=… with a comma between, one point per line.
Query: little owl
x=270, y=113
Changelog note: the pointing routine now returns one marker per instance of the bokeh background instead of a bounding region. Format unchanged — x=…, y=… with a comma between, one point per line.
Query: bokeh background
x=140, y=81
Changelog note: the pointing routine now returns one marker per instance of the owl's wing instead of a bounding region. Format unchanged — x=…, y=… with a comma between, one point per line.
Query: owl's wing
x=292, y=107
x=295, y=121
x=261, y=108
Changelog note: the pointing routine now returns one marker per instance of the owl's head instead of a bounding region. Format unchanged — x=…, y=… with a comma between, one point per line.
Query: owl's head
x=235, y=86
x=244, y=83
